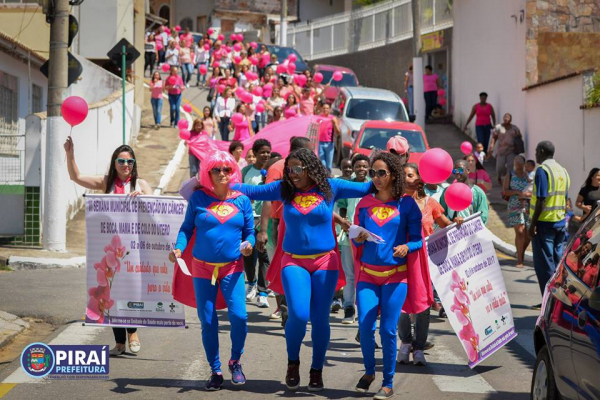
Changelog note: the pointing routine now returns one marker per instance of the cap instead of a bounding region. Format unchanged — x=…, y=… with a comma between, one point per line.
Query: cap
x=399, y=144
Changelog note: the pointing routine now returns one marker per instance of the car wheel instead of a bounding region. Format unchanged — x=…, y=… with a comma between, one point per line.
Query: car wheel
x=543, y=385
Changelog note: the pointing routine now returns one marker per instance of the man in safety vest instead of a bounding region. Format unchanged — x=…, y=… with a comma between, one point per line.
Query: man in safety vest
x=547, y=213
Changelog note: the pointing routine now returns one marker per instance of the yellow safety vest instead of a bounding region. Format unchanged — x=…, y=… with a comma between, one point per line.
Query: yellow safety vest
x=555, y=206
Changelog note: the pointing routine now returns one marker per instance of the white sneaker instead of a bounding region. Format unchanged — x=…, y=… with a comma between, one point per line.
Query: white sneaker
x=263, y=302
x=404, y=353
x=276, y=314
x=115, y=351
x=271, y=294
x=419, y=358
x=250, y=292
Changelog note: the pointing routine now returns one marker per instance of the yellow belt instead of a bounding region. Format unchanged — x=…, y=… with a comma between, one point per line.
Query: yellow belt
x=308, y=256
x=383, y=274
x=215, y=273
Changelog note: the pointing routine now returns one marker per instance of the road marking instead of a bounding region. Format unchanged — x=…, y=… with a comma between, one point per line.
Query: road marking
x=525, y=340
x=451, y=374
x=5, y=388
x=74, y=334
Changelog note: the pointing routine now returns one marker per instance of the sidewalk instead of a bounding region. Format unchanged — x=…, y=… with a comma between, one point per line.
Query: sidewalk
x=10, y=327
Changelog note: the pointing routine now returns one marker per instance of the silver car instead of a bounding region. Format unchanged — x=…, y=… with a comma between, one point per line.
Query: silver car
x=356, y=105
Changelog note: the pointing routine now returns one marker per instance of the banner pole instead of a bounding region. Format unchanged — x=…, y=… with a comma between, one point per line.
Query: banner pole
x=123, y=75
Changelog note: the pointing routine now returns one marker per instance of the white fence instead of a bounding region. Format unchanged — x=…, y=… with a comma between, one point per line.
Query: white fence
x=366, y=28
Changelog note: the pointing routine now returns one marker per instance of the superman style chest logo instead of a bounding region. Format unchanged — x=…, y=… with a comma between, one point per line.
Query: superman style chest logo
x=306, y=202
x=222, y=211
x=383, y=214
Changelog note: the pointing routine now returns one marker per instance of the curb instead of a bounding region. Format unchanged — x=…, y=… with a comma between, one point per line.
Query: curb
x=10, y=327
x=509, y=249
x=18, y=263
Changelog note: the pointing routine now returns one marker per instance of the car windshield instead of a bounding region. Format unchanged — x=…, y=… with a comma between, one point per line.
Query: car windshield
x=347, y=79
x=377, y=138
x=284, y=52
x=370, y=109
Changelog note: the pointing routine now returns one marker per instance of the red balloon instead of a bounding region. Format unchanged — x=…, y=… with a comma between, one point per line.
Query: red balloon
x=260, y=107
x=166, y=67
x=237, y=59
x=187, y=108
x=337, y=76
x=237, y=118
x=466, y=147
x=177, y=28
x=291, y=68
x=458, y=196
x=221, y=37
x=183, y=124
x=221, y=88
x=441, y=92
x=442, y=101
x=435, y=166
x=74, y=110
x=203, y=69
x=318, y=77
x=184, y=134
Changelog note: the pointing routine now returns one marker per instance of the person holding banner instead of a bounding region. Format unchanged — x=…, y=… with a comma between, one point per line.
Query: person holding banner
x=224, y=225
x=433, y=214
x=306, y=264
x=381, y=265
x=122, y=178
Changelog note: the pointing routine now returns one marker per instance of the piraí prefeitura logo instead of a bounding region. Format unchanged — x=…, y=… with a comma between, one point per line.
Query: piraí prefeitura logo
x=37, y=360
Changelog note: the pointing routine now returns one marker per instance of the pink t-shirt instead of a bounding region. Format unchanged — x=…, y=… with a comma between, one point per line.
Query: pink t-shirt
x=431, y=212
x=326, y=129
x=430, y=82
x=187, y=38
x=241, y=131
x=307, y=106
x=175, y=80
x=484, y=114
x=157, y=89
x=159, y=43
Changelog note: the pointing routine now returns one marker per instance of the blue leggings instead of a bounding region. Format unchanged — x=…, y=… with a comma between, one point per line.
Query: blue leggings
x=234, y=293
x=308, y=295
x=369, y=299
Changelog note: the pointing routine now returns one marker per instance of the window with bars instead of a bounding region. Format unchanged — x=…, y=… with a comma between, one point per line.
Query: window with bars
x=8, y=104
x=37, y=98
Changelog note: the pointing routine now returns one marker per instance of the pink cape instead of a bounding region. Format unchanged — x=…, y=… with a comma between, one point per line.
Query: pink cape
x=183, y=285
x=419, y=295
x=274, y=271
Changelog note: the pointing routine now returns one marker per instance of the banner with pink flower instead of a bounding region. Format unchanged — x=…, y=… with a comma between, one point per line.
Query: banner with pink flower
x=467, y=276
x=129, y=275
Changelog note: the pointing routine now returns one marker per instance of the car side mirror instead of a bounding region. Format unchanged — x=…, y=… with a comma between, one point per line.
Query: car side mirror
x=412, y=117
x=594, y=301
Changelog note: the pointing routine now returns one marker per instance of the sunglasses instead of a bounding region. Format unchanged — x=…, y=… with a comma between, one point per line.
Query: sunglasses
x=217, y=171
x=458, y=171
x=297, y=170
x=379, y=173
x=123, y=161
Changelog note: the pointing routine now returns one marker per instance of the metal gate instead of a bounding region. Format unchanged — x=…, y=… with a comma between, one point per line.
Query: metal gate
x=12, y=184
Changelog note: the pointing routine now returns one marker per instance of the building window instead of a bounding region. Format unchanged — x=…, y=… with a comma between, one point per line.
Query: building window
x=165, y=12
x=37, y=97
x=8, y=104
x=187, y=23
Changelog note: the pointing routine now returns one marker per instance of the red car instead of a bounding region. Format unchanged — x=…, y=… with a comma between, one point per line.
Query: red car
x=374, y=135
x=348, y=79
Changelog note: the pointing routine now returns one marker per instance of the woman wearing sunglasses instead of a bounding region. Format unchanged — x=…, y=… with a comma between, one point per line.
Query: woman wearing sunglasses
x=122, y=178
x=306, y=263
x=384, y=270
x=224, y=231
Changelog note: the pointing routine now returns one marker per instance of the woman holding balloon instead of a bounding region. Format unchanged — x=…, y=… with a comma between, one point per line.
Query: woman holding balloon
x=174, y=87
x=224, y=110
x=202, y=60
x=240, y=124
x=462, y=199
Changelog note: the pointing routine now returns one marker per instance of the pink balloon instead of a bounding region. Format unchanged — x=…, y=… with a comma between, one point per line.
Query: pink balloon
x=210, y=31
x=237, y=47
x=74, y=110
x=318, y=77
x=233, y=37
x=217, y=56
x=337, y=76
x=252, y=76
x=441, y=92
x=292, y=57
x=300, y=80
x=178, y=28
x=254, y=60
x=266, y=58
x=435, y=166
x=260, y=107
x=247, y=98
x=216, y=64
x=237, y=118
x=167, y=30
x=291, y=68
x=221, y=89
x=239, y=91
x=290, y=113
x=187, y=108
x=240, y=37
x=254, y=45
x=184, y=134
x=207, y=47
x=466, y=147
x=267, y=92
x=237, y=59
x=202, y=69
x=442, y=101
x=221, y=37
x=166, y=67
x=281, y=68
x=258, y=91
x=228, y=49
x=458, y=196
x=183, y=124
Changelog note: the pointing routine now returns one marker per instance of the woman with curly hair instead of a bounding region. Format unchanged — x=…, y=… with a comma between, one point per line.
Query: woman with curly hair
x=308, y=271
x=382, y=275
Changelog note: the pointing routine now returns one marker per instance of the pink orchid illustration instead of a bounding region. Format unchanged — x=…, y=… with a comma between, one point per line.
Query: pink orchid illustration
x=459, y=287
x=102, y=272
x=116, y=247
x=98, y=303
x=470, y=341
x=460, y=308
x=461, y=311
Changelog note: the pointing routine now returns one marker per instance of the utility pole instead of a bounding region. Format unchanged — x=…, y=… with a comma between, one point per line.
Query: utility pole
x=55, y=212
x=419, y=99
x=283, y=24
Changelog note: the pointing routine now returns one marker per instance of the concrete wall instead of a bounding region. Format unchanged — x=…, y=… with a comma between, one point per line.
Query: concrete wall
x=192, y=9
x=29, y=20
x=553, y=113
x=488, y=56
x=312, y=9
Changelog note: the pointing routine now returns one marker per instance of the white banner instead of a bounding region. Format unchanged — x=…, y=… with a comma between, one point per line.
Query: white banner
x=467, y=276
x=129, y=275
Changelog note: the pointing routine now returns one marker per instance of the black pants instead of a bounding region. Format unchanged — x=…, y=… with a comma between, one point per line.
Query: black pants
x=121, y=334
x=149, y=60
x=161, y=56
x=252, y=274
x=430, y=102
x=224, y=128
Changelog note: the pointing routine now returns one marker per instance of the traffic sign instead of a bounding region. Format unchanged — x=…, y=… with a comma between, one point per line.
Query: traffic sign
x=131, y=53
x=74, y=69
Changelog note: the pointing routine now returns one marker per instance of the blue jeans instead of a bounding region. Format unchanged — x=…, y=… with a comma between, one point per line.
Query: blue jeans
x=547, y=251
x=411, y=100
x=157, y=109
x=483, y=135
x=174, y=104
x=326, y=150
x=194, y=164
x=421, y=329
x=187, y=69
x=224, y=128
x=348, y=265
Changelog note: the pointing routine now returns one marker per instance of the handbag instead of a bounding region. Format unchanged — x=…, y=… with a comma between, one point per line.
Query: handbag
x=519, y=144
x=211, y=94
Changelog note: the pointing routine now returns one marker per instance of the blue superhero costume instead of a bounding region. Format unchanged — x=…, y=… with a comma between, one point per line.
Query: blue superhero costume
x=307, y=236
x=212, y=231
x=382, y=278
